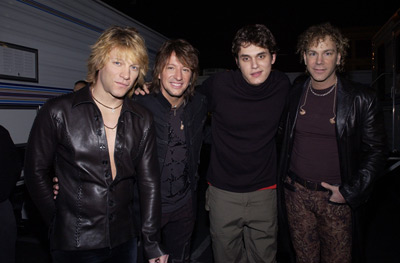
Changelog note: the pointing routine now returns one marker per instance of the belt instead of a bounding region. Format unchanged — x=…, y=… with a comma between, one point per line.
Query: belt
x=307, y=184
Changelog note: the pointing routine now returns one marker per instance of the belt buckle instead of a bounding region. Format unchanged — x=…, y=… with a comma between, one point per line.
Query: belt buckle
x=310, y=185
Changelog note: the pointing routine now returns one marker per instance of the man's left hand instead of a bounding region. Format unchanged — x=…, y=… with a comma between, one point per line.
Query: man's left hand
x=162, y=259
x=336, y=196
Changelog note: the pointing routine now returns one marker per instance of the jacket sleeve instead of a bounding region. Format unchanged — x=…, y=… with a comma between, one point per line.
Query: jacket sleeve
x=39, y=158
x=150, y=195
x=372, y=154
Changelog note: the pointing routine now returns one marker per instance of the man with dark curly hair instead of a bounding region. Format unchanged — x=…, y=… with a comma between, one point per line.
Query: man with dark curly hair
x=246, y=106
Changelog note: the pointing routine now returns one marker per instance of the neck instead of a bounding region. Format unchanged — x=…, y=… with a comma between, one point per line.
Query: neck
x=176, y=102
x=106, y=98
x=320, y=85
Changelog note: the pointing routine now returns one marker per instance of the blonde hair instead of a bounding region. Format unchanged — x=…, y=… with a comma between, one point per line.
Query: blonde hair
x=130, y=45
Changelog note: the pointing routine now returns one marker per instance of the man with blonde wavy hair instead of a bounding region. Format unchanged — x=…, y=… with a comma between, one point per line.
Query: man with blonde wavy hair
x=98, y=143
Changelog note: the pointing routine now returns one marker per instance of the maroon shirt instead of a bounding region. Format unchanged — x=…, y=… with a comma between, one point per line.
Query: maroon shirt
x=315, y=153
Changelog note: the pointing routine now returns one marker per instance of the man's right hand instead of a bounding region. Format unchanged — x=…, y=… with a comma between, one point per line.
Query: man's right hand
x=55, y=187
x=144, y=90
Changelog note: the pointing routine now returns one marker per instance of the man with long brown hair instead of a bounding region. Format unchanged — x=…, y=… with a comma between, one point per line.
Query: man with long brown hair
x=179, y=114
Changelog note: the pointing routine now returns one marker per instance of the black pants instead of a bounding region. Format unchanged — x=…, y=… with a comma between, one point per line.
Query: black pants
x=124, y=253
x=8, y=232
x=177, y=229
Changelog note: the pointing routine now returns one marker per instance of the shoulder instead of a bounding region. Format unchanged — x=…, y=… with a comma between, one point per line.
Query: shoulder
x=222, y=76
x=280, y=76
x=357, y=89
x=58, y=103
x=198, y=99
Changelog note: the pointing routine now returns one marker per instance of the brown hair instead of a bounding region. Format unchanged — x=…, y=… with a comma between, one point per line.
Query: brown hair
x=186, y=54
x=317, y=32
x=258, y=35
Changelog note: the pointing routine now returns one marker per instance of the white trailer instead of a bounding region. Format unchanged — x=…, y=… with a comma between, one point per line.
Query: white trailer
x=44, y=46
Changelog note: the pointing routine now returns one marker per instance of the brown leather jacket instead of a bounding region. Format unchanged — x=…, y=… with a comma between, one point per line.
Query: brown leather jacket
x=92, y=210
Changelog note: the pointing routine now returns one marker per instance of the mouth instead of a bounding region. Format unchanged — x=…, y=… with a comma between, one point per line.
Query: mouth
x=318, y=70
x=176, y=85
x=256, y=74
x=127, y=85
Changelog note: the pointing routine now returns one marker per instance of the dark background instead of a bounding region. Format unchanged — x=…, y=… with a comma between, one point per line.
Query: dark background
x=210, y=25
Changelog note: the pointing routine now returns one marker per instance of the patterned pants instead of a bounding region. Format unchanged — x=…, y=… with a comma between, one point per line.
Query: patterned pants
x=320, y=230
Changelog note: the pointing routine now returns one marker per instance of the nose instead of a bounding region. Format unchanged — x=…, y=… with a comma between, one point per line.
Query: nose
x=178, y=74
x=125, y=73
x=319, y=59
x=254, y=63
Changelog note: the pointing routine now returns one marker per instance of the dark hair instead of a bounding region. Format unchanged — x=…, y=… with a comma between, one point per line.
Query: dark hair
x=186, y=54
x=80, y=81
x=315, y=33
x=77, y=86
x=258, y=35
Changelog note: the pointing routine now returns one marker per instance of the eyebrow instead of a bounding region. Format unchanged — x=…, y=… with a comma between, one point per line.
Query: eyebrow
x=329, y=49
x=246, y=55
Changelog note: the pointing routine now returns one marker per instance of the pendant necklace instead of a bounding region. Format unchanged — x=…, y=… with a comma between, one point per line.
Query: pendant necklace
x=108, y=107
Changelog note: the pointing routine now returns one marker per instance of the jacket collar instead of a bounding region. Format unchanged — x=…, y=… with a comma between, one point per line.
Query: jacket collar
x=84, y=96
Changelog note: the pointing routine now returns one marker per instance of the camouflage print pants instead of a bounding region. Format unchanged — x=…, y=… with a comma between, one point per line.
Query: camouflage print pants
x=320, y=230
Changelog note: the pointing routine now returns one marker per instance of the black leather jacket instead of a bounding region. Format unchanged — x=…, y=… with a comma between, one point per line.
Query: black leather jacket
x=92, y=210
x=361, y=138
x=194, y=118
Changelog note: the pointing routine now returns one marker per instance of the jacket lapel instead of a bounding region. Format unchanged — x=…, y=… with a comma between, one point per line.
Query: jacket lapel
x=343, y=108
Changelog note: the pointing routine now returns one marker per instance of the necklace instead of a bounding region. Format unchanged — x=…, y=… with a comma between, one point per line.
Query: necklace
x=108, y=107
x=110, y=128
x=302, y=111
x=176, y=106
x=323, y=94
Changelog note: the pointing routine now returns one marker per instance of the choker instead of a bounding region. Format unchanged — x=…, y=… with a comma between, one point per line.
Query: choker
x=108, y=107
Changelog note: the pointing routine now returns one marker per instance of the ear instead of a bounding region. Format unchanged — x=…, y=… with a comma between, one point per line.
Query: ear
x=339, y=57
x=273, y=59
x=237, y=62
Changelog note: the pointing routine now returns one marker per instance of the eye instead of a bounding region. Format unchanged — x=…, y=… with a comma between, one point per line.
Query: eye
x=118, y=63
x=261, y=56
x=186, y=70
x=245, y=58
x=135, y=67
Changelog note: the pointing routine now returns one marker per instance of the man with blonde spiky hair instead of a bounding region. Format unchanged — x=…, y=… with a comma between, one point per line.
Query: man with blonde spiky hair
x=99, y=144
